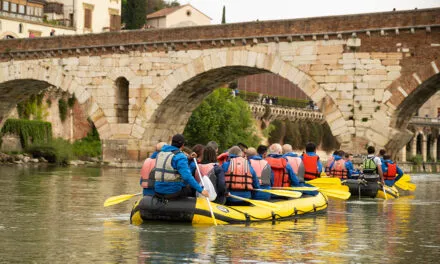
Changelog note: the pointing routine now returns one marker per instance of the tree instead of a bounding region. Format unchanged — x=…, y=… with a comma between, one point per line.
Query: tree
x=134, y=13
x=221, y=118
x=224, y=15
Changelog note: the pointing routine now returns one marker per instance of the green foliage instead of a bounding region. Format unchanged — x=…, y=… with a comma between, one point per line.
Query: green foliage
x=417, y=159
x=71, y=101
x=29, y=131
x=90, y=146
x=31, y=107
x=221, y=118
x=134, y=14
x=57, y=151
x=224, y=15
x=62, y=107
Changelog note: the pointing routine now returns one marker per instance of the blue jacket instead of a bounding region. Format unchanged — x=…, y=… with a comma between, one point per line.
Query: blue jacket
x=349, y=167
x=149, y=191
x=262, y=195
x=294, y=181
x=179, y=163
x=385, y=169
x=319, y=162
x=255, y=182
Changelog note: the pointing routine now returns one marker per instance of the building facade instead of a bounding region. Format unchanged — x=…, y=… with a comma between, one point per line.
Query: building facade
x=41, y=18
x=179, y=16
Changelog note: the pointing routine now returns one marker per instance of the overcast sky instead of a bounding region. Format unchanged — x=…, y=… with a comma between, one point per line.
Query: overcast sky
x=251, y=10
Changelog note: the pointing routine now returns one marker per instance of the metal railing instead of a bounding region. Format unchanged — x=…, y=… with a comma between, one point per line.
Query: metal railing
x=425, y=121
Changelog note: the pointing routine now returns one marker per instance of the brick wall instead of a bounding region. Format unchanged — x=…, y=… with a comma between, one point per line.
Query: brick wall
x=237, y=30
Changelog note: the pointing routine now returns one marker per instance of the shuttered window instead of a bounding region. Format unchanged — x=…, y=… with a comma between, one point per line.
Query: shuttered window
x=88, y=18
x=115, y=22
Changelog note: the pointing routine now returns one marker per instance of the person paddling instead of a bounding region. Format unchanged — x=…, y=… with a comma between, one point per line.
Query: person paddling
x=372, y=164
x=171, y=173
x=391, y=172
x=312, y=164
x=284, y=176
x=294, y=161
x=147, y=178
x=263, y=171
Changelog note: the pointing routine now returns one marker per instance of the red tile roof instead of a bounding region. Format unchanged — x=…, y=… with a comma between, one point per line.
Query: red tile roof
x=164, y=12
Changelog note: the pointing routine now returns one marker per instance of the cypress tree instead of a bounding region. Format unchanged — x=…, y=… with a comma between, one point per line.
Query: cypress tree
x=136, y=11
x=224, y=15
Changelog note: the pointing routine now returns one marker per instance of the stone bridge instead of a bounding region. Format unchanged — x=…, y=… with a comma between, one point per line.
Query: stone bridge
x=368, y=73
x=269, y=113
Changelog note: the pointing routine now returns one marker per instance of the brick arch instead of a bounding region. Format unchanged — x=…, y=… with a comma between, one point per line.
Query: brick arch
x=406, y=95
x=170, y=105
x=23, y=80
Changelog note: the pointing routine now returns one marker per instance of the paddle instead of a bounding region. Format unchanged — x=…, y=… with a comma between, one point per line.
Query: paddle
x=207, y=199
x=263, y=204
x=328, y=181
x=119, y=199
x=291, y=194
x=333, y=193
x=299, y=189
x=404, y=184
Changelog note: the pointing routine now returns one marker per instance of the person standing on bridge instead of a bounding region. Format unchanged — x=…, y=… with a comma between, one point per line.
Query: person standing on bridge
x=171, y=173
x=147, y=174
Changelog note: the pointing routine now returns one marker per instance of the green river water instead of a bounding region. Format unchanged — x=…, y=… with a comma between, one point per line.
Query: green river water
x=55, y=215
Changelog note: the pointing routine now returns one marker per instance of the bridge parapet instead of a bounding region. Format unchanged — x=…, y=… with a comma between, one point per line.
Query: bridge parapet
x=426, y=121
x=270, y=113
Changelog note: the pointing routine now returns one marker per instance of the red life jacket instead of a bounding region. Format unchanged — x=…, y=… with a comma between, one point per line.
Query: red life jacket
x=391, y=173
x=338, y=169
x=222, y=158
x=310, y=167
x=205, y=170
x=280, y=176
x=329, y=164
x=238, y=177
x=262, y=169
x=294, y=162
x=147, y=168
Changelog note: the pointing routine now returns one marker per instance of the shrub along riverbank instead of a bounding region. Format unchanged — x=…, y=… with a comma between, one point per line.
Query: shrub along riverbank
x=36, y=140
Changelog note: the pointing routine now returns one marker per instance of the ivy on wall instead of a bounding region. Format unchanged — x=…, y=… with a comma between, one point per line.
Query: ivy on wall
x=29, y=131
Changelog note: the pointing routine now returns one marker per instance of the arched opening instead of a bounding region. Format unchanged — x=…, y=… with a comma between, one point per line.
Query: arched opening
x=419, y=144
x=121, y=105
x=20, y=28
x=172, y=114
x=438, y=147
x=428, y=146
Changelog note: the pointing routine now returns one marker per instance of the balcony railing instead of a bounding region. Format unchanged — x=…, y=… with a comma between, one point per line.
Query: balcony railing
x=425, y=121
x=21, y=16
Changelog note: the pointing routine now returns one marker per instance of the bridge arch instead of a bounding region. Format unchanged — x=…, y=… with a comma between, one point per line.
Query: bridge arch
x=169, y=106
x=405, y=97
x=17, y=83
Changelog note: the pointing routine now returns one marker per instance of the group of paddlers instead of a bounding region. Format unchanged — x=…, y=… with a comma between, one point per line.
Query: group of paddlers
x=175, y=171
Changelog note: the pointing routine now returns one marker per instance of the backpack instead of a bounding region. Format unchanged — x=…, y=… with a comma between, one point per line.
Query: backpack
x=369, y=166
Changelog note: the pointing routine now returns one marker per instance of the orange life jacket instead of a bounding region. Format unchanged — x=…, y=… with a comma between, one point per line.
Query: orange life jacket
x=280, y=176
x=294, y=162
x=222, y=158
x=205, y=170
x=262, y=169
x=391, y=173
x=338, y=169
x=238, y=176
x=310, y=167
x=329, y=164
x=147, y=168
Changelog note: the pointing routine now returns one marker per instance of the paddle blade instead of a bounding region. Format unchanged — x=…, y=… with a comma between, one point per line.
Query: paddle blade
x=285, y=193
x=299, y=189
x=119, y=199
x=318, y=181
x=263, y=204
x=411, y=186
x=337, y=194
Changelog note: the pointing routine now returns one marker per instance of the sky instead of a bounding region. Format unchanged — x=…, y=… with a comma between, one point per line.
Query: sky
x=251, y=10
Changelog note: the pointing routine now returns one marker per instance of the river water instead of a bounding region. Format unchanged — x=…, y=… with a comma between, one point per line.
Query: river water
x=55, y=215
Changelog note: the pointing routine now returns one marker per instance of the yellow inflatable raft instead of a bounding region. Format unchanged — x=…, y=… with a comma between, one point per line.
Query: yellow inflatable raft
x=196, y=210
x=392, y=193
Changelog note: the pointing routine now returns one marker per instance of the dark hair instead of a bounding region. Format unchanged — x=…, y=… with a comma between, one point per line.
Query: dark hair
x=261, y=149
x=341, y=153
x=178, y=140
x=335, y=152
x=198, y=149
x=382, y=152
x=371, y=150
x=310, y=147
x=242, y=146
x=186, y=150
x=386, y=156
x=209, y=155
x=347, y=155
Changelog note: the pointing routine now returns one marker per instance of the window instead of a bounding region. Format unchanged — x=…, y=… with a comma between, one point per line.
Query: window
x=38, y=11
x=5, y=6
x=13, y=7
x=88, y=18
x=21, y=9
x=20, y=28
x=115, y=22
x=122, y=100
x=30, y=10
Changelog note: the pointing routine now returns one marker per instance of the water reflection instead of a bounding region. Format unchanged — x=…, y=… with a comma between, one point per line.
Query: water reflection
x=56, y=215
